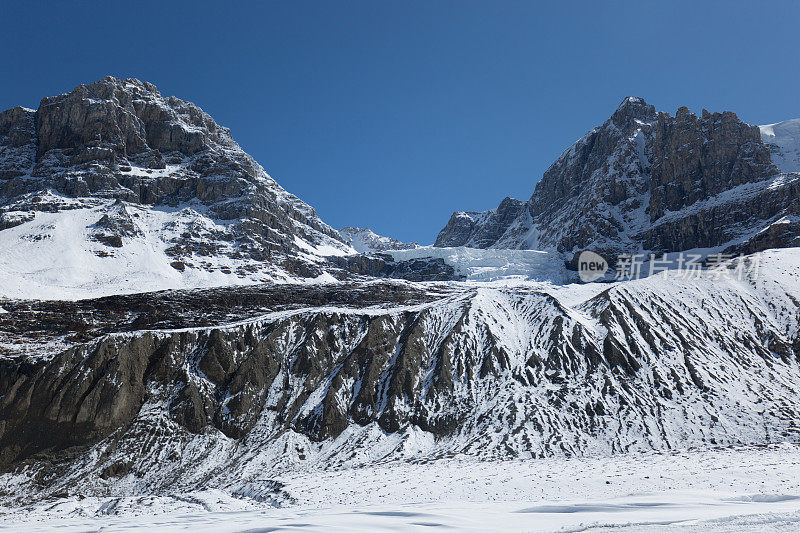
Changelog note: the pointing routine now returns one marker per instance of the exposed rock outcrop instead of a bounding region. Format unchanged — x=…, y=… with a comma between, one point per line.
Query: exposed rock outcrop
x=695, y=158
x=17, y=142
x=479, y=229
x=380, y=265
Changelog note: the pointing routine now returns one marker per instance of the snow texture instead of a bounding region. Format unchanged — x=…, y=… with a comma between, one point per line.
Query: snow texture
x=784, y=141
x=740, y=489
x=59, y=255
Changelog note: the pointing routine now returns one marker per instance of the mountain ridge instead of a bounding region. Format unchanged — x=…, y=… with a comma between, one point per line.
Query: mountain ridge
x=396, y=371
x=366, y=240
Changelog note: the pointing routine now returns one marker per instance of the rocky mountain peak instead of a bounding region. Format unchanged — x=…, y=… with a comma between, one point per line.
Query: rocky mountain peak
x=631, y=109
x=202, y=202
x=697, y=157
x=648, y=181
x=479, y=229
x=114, y=117
x=366, y=240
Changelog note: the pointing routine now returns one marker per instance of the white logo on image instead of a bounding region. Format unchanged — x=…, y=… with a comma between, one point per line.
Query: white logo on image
x=591, y=266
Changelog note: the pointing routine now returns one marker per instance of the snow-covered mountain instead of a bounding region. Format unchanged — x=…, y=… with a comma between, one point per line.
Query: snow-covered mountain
x=114, y=188
x=483, y=347
x=646, y=181
x=366, y=240
x=139, y=395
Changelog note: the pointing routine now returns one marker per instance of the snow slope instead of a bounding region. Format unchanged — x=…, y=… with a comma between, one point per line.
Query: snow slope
x=784, y=140
x=58, y=256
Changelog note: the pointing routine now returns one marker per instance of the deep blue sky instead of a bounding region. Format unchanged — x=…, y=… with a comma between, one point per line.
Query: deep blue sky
x=394, y=114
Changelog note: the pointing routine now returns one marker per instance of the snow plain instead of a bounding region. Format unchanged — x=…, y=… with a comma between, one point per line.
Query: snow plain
x=731, y=489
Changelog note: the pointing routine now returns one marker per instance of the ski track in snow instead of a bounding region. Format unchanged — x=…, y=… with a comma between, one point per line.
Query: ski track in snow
x=731, y=489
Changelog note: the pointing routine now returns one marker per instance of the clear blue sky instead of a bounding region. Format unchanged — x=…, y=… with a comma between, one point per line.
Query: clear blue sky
x=394, y=114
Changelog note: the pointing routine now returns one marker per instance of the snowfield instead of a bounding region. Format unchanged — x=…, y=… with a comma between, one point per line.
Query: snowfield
x=55, y=256
x=784, y=141
x=730, y=489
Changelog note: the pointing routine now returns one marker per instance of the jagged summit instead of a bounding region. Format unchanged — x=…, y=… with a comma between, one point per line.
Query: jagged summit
x=479, y=229
x=632, y=108
x=632, y=100
x=113, y=120
x=128, y=117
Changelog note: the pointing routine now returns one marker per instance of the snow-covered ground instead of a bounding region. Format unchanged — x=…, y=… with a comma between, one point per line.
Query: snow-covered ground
x=52, y=257
x=734, y=489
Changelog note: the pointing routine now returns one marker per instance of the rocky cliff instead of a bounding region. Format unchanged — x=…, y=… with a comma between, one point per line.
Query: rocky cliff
x=646, y=181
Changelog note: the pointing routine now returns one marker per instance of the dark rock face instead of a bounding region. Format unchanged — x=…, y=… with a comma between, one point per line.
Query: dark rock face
x=784, y=233
x=587, y=162
x=698, y=157
x=57, y=410
x=379, y=265
x=644, y=180
x=480, y=230
x=121, y=140
x=59, y=402
x=459, y=228
x=17, y=142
